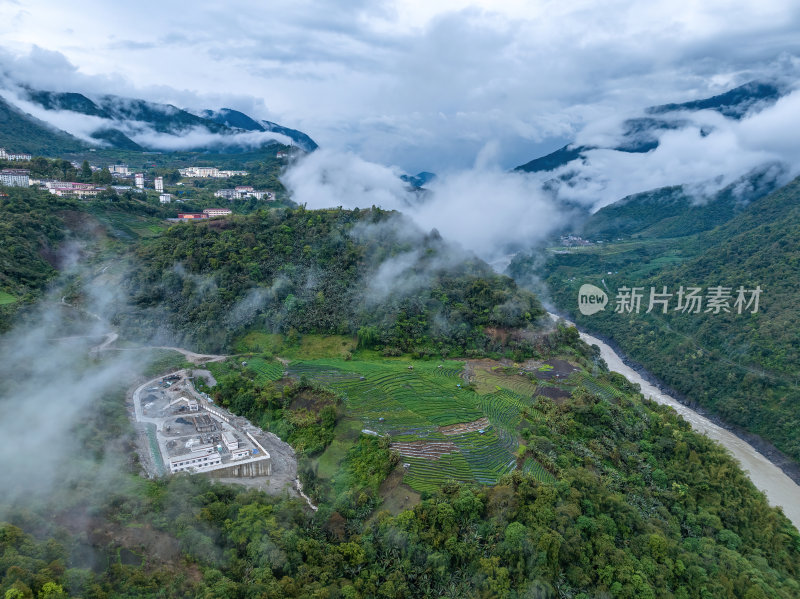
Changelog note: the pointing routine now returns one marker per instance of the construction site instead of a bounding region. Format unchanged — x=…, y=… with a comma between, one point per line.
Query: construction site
x=183, y=431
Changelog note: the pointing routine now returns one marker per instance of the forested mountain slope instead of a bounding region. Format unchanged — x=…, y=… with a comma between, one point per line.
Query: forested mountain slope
x=742, y=366
x=322, y=271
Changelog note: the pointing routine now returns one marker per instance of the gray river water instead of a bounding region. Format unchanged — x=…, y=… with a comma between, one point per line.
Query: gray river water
x=778, y=487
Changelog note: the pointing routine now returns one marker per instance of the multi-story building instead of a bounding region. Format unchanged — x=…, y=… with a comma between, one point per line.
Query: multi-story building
x=228, y=194
x=11, y=156
x=245, y=191
x=212, y=212
x=159, y=184
x=200, y=458
x=119, y=169
x=199, y=171
x=15, y=177
x=213, y=172
x=165, y=198
x=138, y=179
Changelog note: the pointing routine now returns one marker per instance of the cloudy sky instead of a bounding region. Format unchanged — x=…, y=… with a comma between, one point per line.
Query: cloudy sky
x=421, y=85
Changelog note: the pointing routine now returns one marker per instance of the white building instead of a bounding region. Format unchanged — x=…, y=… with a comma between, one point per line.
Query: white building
x=212, y=212
x=139, y=180
x=165, y=198
x=230, y=441
x=199, y=459
x=203, y=172
x=245, y=191
x=119, y=169
x=9, y=156
x=159, y=184
x=228, y=194
x=199, y=171
x=15, y=177
x=240, y=453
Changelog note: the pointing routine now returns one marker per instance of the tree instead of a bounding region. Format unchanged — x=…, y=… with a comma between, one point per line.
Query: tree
x=86, y=171
x=51, y=590
x=102, y=177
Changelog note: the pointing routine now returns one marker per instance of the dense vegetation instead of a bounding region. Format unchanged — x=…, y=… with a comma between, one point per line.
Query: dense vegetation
x=323, y=271
x=610, y=495
x=677, y=211
x=742, y=366
x=642, y=507
x=22, y=133
x=30, y=232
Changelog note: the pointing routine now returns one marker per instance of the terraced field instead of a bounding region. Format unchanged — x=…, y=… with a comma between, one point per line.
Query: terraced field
x=605, y=390
x=442, y=430
x=6, y=298
x=268, y=370
x=538, y=472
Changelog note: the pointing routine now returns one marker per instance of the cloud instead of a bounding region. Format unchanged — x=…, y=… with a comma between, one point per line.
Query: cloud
x=425, y=86
x=485, y=209
x=51, y=396
x=199, y=137
x=82, y=126
x=709, y=152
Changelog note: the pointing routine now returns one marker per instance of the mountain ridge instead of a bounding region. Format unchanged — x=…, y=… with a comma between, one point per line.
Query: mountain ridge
x=136, y=124
x=640, y=133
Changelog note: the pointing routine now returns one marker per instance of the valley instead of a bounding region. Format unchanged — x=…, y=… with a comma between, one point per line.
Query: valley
x=239, y=365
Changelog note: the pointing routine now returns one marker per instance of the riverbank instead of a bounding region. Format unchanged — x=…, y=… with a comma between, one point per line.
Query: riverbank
x=780, y=487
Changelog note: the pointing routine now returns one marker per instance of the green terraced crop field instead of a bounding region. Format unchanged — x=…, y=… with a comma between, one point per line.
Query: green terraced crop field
x=407, y=404
x=605, y=390
x=6, y=298
x=538, y=472
x=268, y=370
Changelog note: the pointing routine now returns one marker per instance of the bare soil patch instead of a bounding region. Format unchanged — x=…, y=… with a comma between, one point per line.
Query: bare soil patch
x=465, y=427
x=429, y=450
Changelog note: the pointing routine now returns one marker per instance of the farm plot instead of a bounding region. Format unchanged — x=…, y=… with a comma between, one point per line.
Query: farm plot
x=441, y=430
x=486, y=454
x=537, y=471
x=6, y=298
x=267, y=370
x=600, y=388
x=488, y=380
x=465, y=427
x=427, y=475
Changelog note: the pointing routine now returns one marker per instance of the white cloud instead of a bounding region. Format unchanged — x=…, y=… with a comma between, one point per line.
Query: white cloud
x=485, y=209
x=424, y=85
x=711, y=152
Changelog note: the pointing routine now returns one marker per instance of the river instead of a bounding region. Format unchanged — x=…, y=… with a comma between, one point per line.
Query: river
x=767, y=477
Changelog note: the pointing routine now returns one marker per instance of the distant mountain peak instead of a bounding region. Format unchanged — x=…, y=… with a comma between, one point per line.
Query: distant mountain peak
x=136, y=124
x=640, y=134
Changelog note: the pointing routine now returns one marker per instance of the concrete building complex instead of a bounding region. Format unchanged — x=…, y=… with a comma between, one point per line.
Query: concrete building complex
x=212, y=212
x=203, y=172
x=120, y=169
x=15, y=177
x=245, y=191
x=194, y=436
x=4, y=155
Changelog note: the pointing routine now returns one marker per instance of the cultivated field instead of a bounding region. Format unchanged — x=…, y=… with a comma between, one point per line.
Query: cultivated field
x=442, y=429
